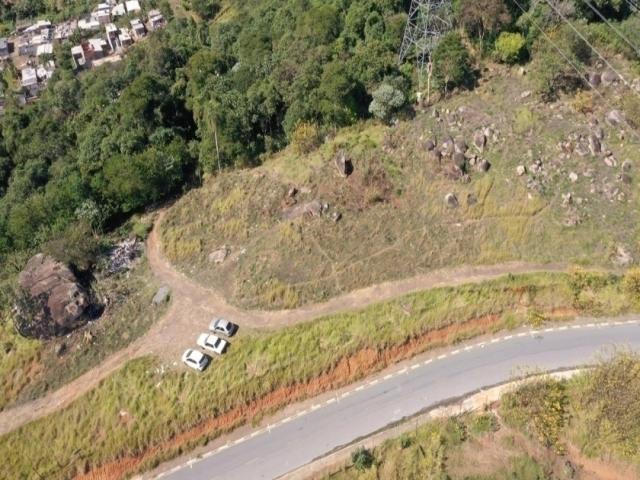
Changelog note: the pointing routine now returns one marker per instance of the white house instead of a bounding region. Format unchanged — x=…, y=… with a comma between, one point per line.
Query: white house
x=132, y=6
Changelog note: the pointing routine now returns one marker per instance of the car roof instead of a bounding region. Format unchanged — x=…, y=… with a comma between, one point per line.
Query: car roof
x=196, y=355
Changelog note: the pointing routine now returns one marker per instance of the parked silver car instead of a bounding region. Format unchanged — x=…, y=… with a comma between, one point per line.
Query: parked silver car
x=195, y=359
x=223, y=326
x=213, y=343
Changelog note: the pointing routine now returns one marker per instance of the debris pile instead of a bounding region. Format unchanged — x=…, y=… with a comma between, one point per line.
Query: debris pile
x=123, y=256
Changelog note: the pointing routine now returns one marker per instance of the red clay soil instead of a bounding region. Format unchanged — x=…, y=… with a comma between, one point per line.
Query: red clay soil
x=347, y=370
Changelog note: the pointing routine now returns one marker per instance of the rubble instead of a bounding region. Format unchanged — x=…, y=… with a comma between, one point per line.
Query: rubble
x=124, y=255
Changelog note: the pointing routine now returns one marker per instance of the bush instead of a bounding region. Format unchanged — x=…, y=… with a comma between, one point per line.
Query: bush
x=305, y=137
x=362, y=459
x=541, y=408
x=452, y=63
x=386, y=101
x=583, y=102
x=485, y=423
x=510, y=47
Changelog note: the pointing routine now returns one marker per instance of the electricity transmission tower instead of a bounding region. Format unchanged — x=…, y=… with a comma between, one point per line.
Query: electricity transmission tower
x=428, y=21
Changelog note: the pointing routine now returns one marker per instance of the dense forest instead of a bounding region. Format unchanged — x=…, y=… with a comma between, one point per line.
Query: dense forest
x=235, y=81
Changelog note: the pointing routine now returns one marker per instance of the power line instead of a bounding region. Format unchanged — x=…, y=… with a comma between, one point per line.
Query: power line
x=591, y=46
x=617, y=31
x=575, y=67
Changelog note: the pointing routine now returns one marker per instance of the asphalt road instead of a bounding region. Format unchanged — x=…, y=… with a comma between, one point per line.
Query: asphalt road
x=287, y=446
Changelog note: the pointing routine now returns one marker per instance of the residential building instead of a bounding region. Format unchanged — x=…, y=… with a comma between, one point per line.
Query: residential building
x=29, y=80
x=137, y=29
x=88, y=24
x=77, y=56
x=156, y=20
x=125, y=38
x=112, y=36
x=4, y=48
x=132, y=6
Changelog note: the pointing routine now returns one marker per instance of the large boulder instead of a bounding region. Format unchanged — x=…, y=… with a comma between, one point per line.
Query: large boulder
x=53, y=302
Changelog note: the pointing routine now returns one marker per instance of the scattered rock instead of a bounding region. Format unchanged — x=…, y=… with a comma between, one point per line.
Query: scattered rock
x=471, y=199
x=594, y=145
x=521, y=170
x=582, y=149
x=615, y=118
x=598, y=131
x=54, y=301
x=594, y=79
x=625, y=178
x=459, y=160
x=60, y=349
x=429, y=145
x=219, y=255
x=626, y=166
x=162, y=295
x=451, y=200
x=610, y=161
x=336, y=216
x=480, y=140
x=314, y=209
x=525, y=94
x=609, y=77
x=292, y=192
x=573, y=176
x=622, y=257
x=343, y=163
x=447, y=148
x=460, y=146
x=567, y=199
x=483, y=166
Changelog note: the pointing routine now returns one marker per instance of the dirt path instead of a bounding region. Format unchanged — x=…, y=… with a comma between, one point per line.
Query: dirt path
x=193, y=305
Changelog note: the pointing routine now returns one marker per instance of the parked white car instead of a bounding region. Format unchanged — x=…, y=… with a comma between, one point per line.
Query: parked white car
x=223, y=326
x=195, y=359
x=213, y=343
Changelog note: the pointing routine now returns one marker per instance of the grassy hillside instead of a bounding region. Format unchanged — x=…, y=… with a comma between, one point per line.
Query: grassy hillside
x=395, y=221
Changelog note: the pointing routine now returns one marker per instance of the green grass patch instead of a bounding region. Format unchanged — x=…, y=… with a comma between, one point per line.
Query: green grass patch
x=160, y=402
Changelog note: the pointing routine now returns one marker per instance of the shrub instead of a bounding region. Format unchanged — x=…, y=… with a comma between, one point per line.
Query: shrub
x=510, y=47
x=362, y=459
x=539, y=407
x=484, y=423
x=386, y=101
x=305, y=137
x=583, y=102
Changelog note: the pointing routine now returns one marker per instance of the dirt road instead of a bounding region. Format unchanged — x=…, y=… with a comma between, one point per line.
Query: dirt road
x=193, y=305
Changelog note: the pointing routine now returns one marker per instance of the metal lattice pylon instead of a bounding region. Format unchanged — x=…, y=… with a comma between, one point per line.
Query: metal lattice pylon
x=428, y=21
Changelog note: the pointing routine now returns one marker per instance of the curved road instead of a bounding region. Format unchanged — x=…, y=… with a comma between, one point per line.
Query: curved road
x=312, y=433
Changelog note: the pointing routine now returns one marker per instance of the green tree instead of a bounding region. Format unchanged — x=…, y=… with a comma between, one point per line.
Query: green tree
x=452, y=63
x=481, y=18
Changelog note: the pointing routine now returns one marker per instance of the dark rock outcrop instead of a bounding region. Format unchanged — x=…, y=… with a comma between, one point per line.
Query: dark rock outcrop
x=52, y=301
